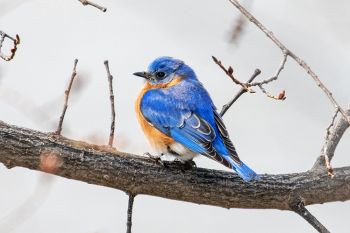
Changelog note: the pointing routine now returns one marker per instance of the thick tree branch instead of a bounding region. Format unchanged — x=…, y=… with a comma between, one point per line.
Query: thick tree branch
x=105, y=166
x=333, y=136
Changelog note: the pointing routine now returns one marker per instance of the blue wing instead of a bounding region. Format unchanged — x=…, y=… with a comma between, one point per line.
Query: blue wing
x=188, y=115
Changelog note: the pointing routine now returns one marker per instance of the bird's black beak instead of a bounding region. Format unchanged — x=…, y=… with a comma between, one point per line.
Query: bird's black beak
x=144, y=74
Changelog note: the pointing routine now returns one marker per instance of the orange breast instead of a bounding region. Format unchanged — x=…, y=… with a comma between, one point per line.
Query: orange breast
x=157, y=139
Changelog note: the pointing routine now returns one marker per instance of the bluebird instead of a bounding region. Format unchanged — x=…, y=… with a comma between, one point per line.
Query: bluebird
x=179, y=118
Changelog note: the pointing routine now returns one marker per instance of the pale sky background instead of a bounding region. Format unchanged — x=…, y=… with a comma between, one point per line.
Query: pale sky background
x=271, y=136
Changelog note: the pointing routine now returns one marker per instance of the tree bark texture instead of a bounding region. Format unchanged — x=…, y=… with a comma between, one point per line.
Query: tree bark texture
x=133, y=174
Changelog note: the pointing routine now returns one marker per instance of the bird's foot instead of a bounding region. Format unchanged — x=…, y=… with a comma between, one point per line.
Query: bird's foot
x=156, y=158
x=191, y=163
x=176, y=163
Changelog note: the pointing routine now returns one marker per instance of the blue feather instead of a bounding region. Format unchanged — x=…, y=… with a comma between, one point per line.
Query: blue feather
x=245, y=172
x=186, y=113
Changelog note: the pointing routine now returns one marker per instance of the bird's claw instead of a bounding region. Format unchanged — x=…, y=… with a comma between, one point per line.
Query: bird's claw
x=180, y=163
x=191, y=163
x=156, y=158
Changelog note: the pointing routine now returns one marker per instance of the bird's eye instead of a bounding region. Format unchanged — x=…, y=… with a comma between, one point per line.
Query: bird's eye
x=160, y=74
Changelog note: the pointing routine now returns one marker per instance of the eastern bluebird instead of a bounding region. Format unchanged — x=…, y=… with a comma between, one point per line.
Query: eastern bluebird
x=179, y=118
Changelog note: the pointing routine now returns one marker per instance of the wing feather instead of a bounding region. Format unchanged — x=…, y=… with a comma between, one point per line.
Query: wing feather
x=180, y=122
x=227, y=141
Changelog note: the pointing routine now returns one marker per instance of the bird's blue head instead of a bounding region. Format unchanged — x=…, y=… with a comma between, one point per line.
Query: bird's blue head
x=164, y=69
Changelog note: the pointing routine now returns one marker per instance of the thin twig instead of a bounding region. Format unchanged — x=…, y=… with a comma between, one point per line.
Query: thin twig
x=5, y=35
x=275, y=77
x=300, y=209
x=66, y=93
x=111, y=98
x=239, y=93
x=16, y=41
x=247, y=86
x=86, y=2
x=301, y=62
x=326, y=157
x=229, y=72
x=280, y=96
x=130, y=209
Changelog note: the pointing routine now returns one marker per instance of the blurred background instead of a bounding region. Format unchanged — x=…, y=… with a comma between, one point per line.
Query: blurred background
x=271, y=136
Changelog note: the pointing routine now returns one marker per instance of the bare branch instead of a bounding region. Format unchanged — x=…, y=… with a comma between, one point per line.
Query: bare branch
x=284, y=49
x=280, y=96
x=275, y=77
x=326, y=158
x=229, y=73
x=66, y=93
x=16, y=41
x=106, y=166
x=111, y=98
x=300, y=209
x=303, y=64
x=333, y=135
x=247, y=86
x=240, y=92
x=130, y=209
x=86, y=3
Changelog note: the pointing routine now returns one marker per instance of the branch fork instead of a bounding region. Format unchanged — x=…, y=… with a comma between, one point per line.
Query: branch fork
x=16, y=41
x=247, y=87
x=332, y=139
x=288, y=52
x=229, y=72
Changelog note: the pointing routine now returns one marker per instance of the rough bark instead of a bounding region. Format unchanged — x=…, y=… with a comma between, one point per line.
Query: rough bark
x=330, y=145
x=139, y=175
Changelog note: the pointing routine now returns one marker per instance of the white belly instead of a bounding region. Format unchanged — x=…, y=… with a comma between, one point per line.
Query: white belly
x=185, y=154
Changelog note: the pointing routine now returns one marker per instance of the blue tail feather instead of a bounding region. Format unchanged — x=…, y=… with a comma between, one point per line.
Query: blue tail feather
x=245, y=172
